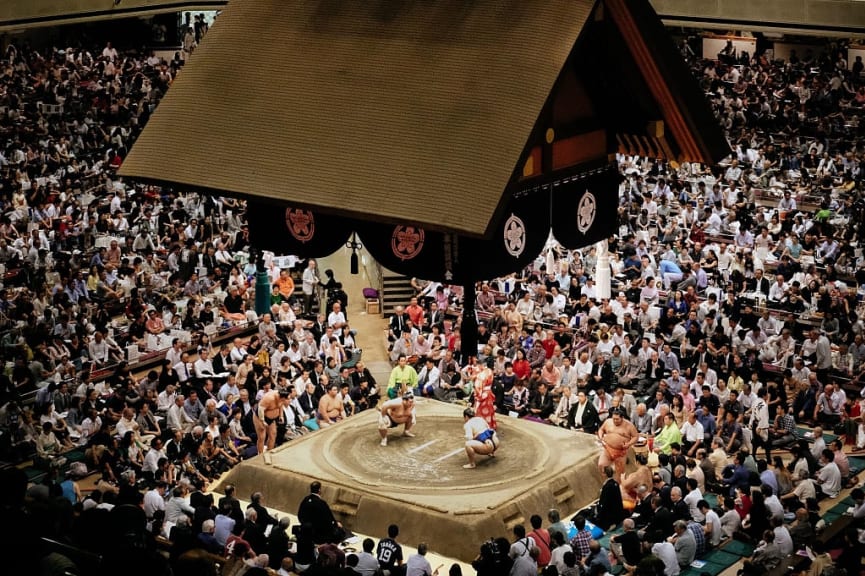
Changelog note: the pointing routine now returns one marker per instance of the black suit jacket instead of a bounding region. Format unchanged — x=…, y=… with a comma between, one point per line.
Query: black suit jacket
x=307, y=402
x=631, y=546
x=317, y=330
x=264, y=518
x=219, y=364
x=661, y=523
x=397, y=323
x=605, y=371
x=543, y=403
x=277, y=547
x=681, y=511
x=611, y=511
x=654, y=373
x=246, y=420
x=228, y=503
x=316, y=512
x=436, y=318
x=253, y=534
x=591, y=422
x=208, y=262
x=761, y=285
x=364, y=375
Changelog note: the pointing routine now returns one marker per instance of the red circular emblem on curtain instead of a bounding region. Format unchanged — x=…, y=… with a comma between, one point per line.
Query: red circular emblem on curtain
x=406, y=242
x=300, y=223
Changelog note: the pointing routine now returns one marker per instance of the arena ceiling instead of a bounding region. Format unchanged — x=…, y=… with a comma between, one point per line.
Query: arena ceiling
x=451, y=135
x=359, y=107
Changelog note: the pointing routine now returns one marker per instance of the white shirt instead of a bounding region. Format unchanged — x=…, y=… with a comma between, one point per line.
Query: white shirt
x=184, y=372
x=526, y=307
x=98, y=350
x=521, y=547
x=125, y=425
x=768, y=325
x=691, y=499
x=784, y=540
x=667, y=554
x=203, y=368
x=777, y=291
x=830, y=479
x=367, y=564
x=418, y=565
x=859, y=511
x=774, y=506
x=692, y=432
x=174, y=355
x=817, y=447
x=715, y=522
x=110, y=53
x=300, y=385
x=584, y=369
x=336, y=319
x=429, y=377
x=177, y=419
x=151, y=460
x=602, y=405
x=557, y=557
x=730, y=522
x=164, y=401
x=237, y=355
x=153, y=501
x=759, y=414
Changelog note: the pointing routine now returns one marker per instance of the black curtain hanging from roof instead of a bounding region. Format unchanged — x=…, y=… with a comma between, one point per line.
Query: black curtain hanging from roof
x=518, y=238
x=414, y=251
x=585, y=208
x=580, y=209
x=407, y=249
x=285, y=229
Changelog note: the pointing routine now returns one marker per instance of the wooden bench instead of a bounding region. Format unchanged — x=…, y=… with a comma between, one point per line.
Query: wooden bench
x=151, y=358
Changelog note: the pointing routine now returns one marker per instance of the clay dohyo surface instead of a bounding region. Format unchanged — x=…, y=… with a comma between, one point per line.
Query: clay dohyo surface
x=434, y=458
x=420, y=484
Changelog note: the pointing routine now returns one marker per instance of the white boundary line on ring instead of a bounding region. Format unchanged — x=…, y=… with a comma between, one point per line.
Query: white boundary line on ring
x=422, y=446
x=448, y=455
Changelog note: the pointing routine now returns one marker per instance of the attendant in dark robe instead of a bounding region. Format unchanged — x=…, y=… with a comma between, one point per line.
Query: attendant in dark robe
x=610, y=507
x=583, y=415
x=316, y=512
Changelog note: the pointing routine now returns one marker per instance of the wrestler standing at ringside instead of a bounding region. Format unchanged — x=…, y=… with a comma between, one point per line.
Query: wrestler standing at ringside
x=617, y=435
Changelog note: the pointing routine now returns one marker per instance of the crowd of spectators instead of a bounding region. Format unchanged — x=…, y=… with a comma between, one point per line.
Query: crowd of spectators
x=775, y=509
x=734, y=316
x=732, y=278
x=101, y=277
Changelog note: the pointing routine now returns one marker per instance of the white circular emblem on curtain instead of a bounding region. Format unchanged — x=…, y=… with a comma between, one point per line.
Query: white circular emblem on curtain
x=515, y=236
x=586, y=212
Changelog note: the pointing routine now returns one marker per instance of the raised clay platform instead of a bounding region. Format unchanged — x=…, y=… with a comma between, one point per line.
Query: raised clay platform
x=419, y=483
